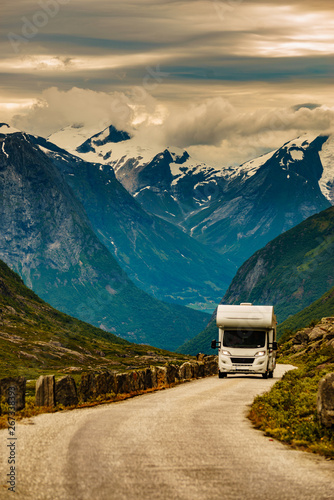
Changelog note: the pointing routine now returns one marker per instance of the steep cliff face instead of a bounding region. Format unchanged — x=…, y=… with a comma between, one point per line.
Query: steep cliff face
x=47, y=238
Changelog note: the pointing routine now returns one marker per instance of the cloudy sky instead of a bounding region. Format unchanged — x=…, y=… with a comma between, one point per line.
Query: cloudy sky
x=226, y=79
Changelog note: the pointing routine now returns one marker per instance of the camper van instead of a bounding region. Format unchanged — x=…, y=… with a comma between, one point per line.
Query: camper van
x=247, y=340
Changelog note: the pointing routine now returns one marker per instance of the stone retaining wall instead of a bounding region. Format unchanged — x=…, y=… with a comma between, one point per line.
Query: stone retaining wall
x=98, y=385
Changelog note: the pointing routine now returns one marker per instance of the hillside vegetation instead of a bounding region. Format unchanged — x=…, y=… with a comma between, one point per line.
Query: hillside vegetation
x=36, y=339
x=314, y=312
x=288, y=411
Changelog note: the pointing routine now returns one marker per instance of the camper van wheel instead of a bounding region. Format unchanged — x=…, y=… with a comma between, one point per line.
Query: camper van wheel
x=271, y=374
x=222, y=374
x=265, y=375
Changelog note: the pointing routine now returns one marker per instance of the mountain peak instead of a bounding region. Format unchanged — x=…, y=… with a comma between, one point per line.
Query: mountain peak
x=108, y=135
x=6, y=129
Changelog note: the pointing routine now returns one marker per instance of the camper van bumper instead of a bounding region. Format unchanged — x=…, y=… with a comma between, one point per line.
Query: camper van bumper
x=243, y=365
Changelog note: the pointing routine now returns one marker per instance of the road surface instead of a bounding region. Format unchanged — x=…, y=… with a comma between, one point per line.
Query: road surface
x=191, y=442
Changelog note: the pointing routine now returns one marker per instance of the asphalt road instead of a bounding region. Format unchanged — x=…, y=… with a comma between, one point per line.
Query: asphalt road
x=191, y=442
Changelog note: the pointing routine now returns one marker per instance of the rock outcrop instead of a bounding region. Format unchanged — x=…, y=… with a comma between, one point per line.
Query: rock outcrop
x=311, y=339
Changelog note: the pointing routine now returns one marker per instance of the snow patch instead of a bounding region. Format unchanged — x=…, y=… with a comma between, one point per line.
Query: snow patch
x=73, y=136
x=3, y=149
x=44, y=150
x=326, y=182
x=250, y=168
x=296, y=154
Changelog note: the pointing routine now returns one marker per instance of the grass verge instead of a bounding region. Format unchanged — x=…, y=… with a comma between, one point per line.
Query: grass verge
x=288, y=412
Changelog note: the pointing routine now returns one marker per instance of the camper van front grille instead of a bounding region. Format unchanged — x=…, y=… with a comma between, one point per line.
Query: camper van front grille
x=242, y=361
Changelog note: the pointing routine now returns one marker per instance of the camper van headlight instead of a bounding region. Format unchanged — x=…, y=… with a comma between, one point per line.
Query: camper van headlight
x=260, y=353
x=226, y=353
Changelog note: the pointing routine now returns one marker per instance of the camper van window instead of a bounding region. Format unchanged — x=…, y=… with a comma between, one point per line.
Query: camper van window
x=244, y=338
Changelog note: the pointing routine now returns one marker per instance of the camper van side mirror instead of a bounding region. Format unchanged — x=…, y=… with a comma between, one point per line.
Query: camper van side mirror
x=274, y=346
x=214, y=344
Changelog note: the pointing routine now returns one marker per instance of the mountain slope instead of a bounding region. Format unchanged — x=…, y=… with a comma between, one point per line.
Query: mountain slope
x=166, y=182
x=201, y=342
x=36, y=339
x=314, y=312
x=159, y=257
x=34, y=335
x=47, y=238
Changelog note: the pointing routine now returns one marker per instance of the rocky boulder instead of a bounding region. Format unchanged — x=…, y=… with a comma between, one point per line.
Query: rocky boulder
x=210, y=365
x=325, y=400
x=161, y=372
x=172, y=374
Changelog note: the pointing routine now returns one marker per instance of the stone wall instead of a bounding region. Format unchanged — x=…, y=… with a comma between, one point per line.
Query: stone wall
x=99, y=385
x=13, y=392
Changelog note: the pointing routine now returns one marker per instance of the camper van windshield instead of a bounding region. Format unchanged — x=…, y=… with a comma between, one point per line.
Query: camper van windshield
x=244, y=338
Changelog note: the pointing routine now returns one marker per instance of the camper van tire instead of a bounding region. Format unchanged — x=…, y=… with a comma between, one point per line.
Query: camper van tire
x=222, y=374
x=265, y=375
x=271, y=374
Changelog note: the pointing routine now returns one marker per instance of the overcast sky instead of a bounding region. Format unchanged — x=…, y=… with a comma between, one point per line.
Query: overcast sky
x=227, y=80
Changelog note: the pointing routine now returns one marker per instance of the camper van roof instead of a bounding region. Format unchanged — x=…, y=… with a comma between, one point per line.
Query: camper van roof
x=245, y=316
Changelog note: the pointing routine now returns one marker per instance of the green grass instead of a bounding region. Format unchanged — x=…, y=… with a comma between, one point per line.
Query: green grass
x=289, y=412
x=36, y=339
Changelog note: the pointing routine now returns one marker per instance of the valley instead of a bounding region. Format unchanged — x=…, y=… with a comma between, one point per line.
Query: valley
x=135, y=220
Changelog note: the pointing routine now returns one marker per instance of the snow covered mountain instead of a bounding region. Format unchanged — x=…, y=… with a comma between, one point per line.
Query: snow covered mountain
x=233, y=210
x=167, y=182
x=280, y=194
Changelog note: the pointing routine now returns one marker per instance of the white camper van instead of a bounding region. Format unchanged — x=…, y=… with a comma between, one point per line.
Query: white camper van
x=247, y=340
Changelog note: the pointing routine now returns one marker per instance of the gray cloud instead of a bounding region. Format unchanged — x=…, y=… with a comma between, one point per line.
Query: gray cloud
x=217, y=120
x=220, y=69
